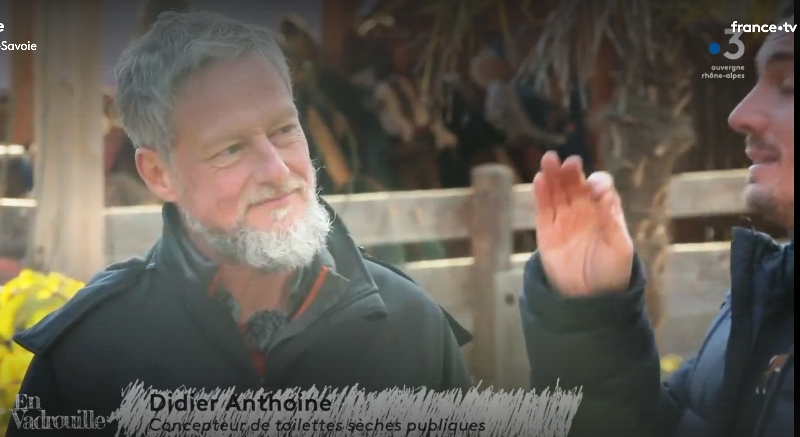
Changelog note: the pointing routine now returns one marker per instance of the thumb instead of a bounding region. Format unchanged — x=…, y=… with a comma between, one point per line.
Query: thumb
x=600, y=183
x=601, y=186
x=612, y=219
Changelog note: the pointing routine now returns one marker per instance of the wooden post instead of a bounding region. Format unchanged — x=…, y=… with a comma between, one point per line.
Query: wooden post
x=492, y=246
x=601, y=89
x=511, y=358
x=338, y=23
x=20, y=107
x=68, y=232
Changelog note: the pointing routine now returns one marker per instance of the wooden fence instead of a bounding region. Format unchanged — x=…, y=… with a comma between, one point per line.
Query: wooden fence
x=482, y=291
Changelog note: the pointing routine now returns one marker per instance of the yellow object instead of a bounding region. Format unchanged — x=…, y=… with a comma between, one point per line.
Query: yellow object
x=24, y=301
x=670, y=363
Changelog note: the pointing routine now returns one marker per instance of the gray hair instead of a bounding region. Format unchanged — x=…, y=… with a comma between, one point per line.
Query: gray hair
x=153, y=69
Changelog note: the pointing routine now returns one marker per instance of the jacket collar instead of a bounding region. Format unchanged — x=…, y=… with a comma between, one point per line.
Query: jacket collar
x=175, y=257
x=345, y=283
x=754, y=256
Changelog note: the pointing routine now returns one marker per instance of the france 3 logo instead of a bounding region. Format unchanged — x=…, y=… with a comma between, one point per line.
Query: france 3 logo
x=735, y=41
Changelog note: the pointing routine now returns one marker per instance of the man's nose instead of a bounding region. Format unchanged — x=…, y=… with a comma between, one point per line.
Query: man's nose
x=750, y=116
x=270, y=165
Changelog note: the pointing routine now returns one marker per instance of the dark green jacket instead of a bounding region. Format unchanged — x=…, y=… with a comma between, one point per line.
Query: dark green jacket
x=151, y=319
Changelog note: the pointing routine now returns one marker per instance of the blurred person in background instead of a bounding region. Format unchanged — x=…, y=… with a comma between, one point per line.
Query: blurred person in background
x=255, y=283
x=583, y=300
x=349, y=101
x=345, y=138
x=15, y=182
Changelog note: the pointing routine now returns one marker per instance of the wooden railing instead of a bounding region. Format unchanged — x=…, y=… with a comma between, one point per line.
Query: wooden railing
x=482, y=291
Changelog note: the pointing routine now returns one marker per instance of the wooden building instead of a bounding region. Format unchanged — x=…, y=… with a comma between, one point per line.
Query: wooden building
x=717, y=147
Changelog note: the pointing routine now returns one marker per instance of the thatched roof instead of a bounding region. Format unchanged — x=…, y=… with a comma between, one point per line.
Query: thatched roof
x=641, y=33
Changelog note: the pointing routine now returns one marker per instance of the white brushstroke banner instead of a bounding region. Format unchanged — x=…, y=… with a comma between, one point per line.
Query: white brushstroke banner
x=349, y=412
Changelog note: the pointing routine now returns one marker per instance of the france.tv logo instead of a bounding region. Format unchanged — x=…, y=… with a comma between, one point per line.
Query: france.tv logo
x=715, y=48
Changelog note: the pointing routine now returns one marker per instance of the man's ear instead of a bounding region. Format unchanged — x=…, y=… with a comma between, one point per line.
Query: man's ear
x=155, y=172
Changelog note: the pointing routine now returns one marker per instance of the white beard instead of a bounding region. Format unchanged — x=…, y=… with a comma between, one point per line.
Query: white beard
x=291, y=247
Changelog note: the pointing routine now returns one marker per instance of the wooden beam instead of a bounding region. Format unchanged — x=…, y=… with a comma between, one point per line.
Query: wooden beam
x=338, y=24
x=68, y=228
x=696, y=279
x=602, y=86
x=492, y=245
x=692, y=269
x=708, y=193
x=405, y=217
x=697, y=194
x=413, y=216
x=697, y=282
x=20, y=107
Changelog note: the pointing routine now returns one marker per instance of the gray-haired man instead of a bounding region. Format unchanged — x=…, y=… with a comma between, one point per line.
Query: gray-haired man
x=254, y=283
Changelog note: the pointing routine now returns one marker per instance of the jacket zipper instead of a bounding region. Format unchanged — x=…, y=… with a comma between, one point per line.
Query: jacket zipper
x=772, y=395
x=318, y=282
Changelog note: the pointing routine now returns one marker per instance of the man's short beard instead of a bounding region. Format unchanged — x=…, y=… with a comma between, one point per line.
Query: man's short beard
x=769, y=207
x=282, y=250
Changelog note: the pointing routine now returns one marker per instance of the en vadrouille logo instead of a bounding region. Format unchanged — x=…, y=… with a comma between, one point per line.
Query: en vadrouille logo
x=28, y=414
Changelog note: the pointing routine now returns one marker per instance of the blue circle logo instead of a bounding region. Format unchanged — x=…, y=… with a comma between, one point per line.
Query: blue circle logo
x=713, y=48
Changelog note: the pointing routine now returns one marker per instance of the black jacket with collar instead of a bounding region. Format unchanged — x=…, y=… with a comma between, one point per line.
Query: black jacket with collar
x=151, y=319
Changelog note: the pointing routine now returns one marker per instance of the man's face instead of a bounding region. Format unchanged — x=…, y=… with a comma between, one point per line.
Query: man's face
x=240, y=170
x=766, y=117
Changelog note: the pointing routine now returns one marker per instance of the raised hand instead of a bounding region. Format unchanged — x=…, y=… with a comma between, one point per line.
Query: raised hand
x=582, y=236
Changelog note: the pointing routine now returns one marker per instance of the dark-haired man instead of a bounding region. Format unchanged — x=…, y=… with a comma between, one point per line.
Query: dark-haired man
x=590, y=329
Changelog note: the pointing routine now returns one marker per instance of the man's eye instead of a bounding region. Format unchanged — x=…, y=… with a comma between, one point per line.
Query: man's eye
x=287, y=129
x=231, y=149
x=787, y=87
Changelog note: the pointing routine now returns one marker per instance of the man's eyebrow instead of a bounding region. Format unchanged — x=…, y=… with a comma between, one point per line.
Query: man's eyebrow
x=283, y=115
x=778, y=56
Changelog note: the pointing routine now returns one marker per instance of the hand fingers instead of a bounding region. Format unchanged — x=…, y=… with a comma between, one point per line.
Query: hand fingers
x=572, y=179
x=551, y=168
x=612, y=218
x=543, y=202
x=599, y=184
